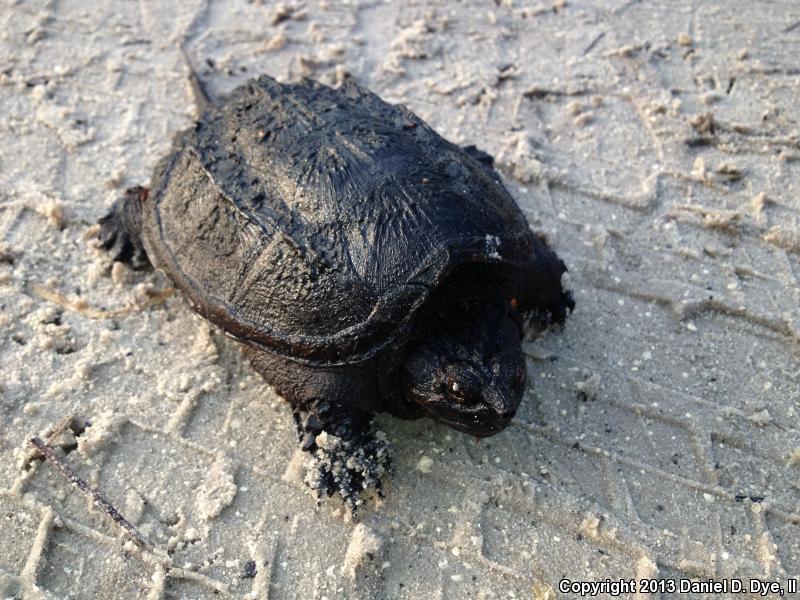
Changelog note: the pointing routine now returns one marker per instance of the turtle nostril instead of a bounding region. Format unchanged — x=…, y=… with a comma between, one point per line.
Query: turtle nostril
x=507, y=414
x=501, y=407
x=500, y=414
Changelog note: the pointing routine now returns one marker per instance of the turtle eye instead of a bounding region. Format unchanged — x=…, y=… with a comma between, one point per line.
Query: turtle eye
x=460, y=393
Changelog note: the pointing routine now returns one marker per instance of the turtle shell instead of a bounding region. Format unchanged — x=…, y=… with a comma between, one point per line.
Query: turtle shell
x=313, y=222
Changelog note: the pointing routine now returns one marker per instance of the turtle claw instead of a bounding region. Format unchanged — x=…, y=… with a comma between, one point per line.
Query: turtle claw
x=347, y=466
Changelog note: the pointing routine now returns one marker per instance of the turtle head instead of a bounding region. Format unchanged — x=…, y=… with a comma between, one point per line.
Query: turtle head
x=469, y=375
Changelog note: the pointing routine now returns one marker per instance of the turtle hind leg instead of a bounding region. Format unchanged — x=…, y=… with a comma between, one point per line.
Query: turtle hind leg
x=347, y=455
x=120, y=229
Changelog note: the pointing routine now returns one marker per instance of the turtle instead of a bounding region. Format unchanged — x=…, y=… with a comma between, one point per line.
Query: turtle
x=364, y=263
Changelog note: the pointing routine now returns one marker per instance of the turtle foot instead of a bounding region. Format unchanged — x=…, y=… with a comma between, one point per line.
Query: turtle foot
x=557, y=312
x=120, y=229
x=348, y=467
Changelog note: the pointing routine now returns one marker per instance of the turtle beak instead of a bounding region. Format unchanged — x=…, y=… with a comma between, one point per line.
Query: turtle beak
x=503, y=405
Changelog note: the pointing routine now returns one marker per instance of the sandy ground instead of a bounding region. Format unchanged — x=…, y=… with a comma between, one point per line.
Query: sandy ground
x=655, y=143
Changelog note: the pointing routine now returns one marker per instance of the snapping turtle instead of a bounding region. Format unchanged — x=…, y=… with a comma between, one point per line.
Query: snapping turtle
x=365, y=263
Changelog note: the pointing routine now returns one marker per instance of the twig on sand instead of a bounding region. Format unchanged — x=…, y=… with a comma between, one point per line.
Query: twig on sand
x=81, y=307
x=99, y=501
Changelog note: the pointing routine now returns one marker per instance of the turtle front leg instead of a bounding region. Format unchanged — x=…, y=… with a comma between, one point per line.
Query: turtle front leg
x=121, y=229
x=347, y=454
